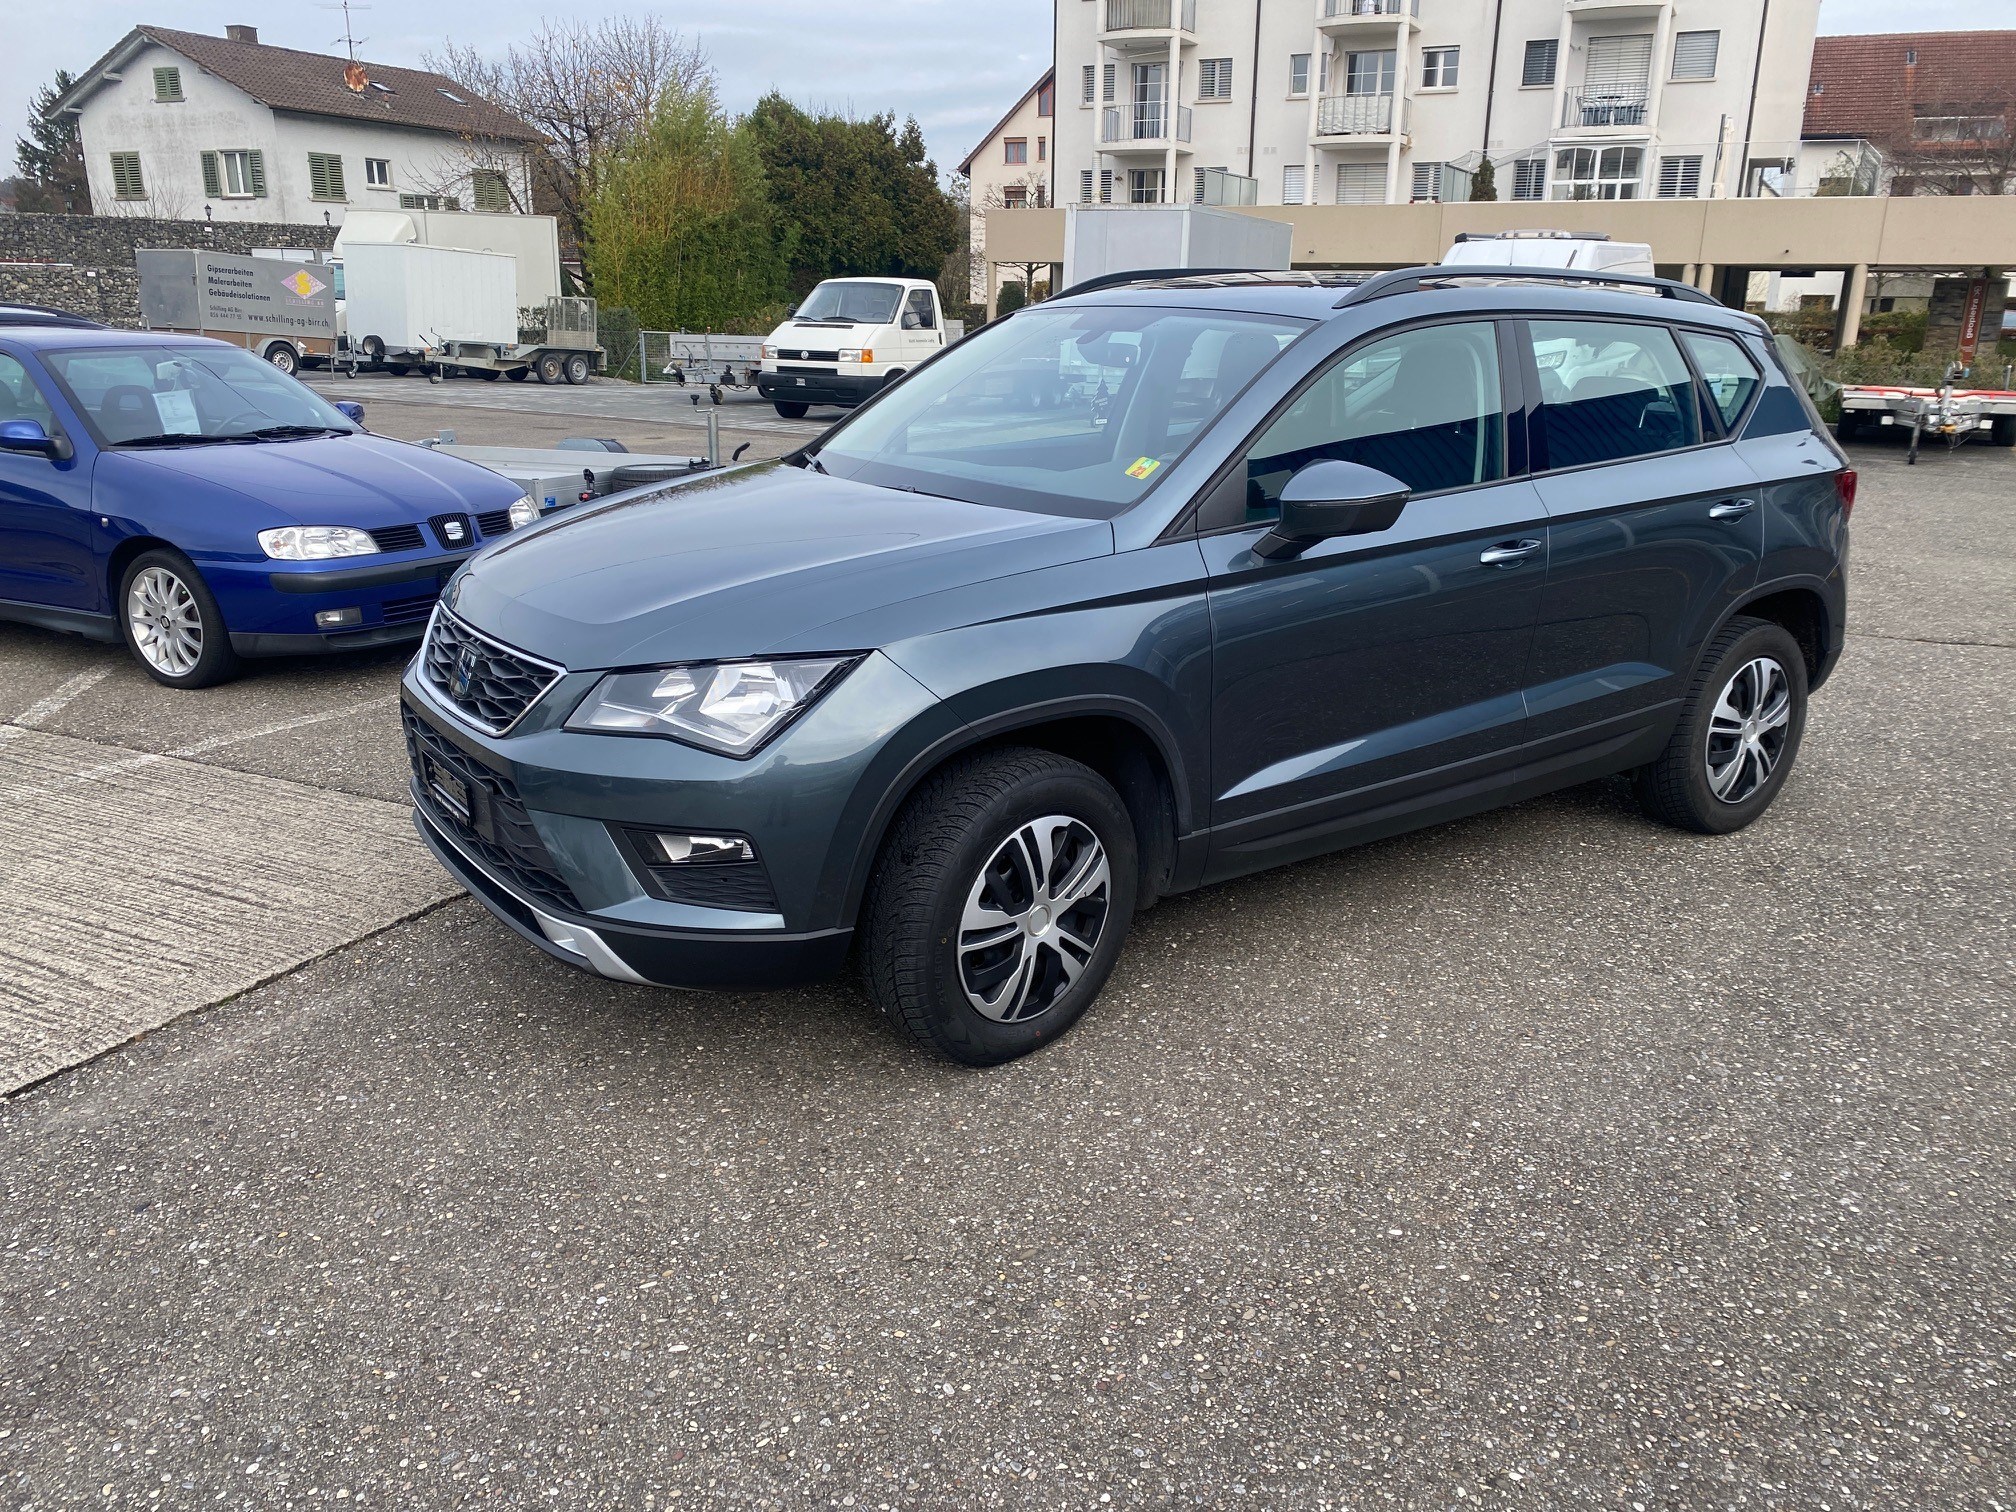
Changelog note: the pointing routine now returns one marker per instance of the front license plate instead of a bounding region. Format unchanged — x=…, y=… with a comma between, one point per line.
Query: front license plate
x=799, y=381
x=450, y=789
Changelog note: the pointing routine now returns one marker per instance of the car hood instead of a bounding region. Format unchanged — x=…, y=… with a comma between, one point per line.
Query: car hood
x=741, y=563
x=798, y=334
x=361, y=480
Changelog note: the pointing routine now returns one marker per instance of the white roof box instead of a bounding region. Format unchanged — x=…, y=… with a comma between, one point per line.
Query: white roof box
x=1587, y=251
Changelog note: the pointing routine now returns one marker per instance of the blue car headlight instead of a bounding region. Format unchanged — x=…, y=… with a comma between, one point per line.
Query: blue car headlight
x=731, y=707
x=524, y=511
x=315, y=543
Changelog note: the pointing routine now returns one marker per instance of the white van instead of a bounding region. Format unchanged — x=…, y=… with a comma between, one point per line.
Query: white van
x=1585, y=251
x=848, y=339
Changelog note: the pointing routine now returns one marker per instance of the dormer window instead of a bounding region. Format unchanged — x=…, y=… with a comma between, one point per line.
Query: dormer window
x=381, y=88
x=450, y=96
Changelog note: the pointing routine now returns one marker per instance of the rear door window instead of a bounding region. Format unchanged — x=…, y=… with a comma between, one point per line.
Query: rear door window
x=1610, y=390
x=1728, y=372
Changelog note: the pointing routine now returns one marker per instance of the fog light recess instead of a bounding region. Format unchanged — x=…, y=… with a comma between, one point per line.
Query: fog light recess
x=338, y=619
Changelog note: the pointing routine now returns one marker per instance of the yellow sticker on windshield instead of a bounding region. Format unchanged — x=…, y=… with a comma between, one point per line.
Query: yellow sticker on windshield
x=1142, y=467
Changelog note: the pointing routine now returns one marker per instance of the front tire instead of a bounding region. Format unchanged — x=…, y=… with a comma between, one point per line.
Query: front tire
x=171, y=622
x=789, y=411
x=548, y=369
x=1738, y=735
x=285, y=358
x=999, y=904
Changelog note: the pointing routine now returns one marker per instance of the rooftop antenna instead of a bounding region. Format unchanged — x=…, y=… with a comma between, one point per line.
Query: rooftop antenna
x=348, y=39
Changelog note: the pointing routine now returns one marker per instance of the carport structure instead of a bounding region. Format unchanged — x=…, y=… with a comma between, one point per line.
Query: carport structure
x=1712, y=243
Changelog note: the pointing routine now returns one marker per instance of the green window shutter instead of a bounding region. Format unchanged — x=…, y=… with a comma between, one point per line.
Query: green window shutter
x=126, y=181
x=167, y=84
x=258, y=163
x=489, y=189
x=325, y=176
x=213, y=177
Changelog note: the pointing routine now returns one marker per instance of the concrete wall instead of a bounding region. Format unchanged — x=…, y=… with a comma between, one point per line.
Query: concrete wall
x=215, y=116
x=85, y=263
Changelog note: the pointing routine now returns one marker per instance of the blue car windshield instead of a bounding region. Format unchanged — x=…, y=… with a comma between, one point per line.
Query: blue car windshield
x=1070, y=411
x=143, y=395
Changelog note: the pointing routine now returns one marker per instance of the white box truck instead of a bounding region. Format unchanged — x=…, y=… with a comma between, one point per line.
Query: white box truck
x=403, y=302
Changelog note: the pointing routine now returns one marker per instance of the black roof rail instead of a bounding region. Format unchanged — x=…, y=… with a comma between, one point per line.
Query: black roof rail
x=1413, y=280
x=1153, y=275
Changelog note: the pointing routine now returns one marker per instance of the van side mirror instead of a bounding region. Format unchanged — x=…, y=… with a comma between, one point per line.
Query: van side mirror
x=28, y=436
x=351, y=410
x=1329, y=498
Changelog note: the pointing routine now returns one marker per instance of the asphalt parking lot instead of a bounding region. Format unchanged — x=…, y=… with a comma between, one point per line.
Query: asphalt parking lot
x=1548, y=1159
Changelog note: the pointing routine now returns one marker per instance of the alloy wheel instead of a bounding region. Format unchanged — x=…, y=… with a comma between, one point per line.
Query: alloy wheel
x=167, y=625
x=1747, y=730
x=1033, y=918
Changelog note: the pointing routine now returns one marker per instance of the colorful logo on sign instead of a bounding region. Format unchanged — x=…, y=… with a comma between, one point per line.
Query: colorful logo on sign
x=303, y=285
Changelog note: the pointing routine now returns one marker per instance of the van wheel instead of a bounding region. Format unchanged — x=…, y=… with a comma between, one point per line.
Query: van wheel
x=171, y=622
x=1738, y=734
x=284, y=357
x=576, y=368
x=999, y=904
x=786, y=411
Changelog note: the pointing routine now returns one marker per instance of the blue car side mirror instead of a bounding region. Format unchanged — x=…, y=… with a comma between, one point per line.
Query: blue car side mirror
x=28, y=436
x=351, y=409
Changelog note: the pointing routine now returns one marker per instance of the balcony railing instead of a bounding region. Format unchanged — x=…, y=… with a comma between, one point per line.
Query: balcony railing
x=1334, y=10
x=1607, y=107
x=1151, y=15
x=1143, y=123
x=1355, y=115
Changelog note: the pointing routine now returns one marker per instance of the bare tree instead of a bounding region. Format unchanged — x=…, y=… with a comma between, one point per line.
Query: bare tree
x=587, y=86
x=1960, y=147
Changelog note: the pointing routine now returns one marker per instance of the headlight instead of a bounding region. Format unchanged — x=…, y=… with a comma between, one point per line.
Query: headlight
x=315, y=543
x=730, y=707
x=769, y=350
x=524, y=512
x=857, y=354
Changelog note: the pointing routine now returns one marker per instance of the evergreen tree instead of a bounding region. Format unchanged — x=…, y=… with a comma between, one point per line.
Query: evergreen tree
x=1484, y=183
x=51, y=157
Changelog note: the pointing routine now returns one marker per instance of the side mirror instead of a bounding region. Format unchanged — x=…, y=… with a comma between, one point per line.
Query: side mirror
x=1330, y=498
x=351, y=410
x=28, y=436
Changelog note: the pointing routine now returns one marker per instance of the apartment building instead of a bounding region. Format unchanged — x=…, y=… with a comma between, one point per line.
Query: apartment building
x=1398, y=101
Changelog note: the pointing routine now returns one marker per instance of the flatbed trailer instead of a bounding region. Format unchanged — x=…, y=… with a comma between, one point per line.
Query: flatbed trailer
x=1946, y=413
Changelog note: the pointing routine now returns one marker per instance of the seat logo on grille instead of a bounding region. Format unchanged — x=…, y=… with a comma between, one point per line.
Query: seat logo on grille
x=465, y=672
x=453, y=530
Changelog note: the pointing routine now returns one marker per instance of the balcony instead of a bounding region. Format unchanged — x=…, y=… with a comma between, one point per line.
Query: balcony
x=1343, y=17
x=1616, y=10
x=1625, y=111
x=1135, y=25
x=1360, y=115
x=1144, y=128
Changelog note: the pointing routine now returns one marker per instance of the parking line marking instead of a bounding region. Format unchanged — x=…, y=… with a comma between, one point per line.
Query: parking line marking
x=49, y=707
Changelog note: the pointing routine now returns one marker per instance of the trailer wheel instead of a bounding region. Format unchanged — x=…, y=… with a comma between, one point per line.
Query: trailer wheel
x=400, y=369
x=373, y=348
x=550, y=369
x=1848, y=427
x=488, y=375
x=577, y=369
x=787, y=411
x=518, y=374
x=284, y=357
x=2003, y=431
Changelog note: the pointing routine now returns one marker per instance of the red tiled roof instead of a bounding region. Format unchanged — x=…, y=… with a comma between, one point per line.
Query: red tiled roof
x=312, y=84
x=1863, y=87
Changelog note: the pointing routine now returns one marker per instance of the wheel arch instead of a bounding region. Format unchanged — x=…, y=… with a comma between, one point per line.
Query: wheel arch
x=121, y=558
x=1802, y=608
x=1119, y=739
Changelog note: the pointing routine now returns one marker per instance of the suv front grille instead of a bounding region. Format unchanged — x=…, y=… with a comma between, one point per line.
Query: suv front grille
x=487, y=683
x=492, y=824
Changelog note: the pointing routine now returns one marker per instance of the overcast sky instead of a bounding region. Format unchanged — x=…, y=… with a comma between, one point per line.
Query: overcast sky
x=956, y=65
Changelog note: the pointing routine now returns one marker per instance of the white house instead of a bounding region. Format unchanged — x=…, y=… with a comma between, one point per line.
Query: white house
x=1010, y=169
x=180, y=125
x=1397, y=101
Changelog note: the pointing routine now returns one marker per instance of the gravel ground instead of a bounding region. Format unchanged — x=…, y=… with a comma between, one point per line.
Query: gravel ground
x=1547, y=1159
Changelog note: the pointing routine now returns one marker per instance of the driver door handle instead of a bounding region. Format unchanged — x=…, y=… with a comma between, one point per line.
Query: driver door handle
x=1731, y=509
x=1509, y=553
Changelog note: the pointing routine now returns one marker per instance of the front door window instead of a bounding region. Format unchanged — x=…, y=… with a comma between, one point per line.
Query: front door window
x=1150, y=90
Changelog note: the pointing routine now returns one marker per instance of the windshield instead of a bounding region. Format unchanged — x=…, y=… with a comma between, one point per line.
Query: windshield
x=851, y=303
x=1065, y=411
x=188, y=395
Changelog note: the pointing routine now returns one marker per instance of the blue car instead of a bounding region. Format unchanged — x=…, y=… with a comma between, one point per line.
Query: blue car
x=193, y=501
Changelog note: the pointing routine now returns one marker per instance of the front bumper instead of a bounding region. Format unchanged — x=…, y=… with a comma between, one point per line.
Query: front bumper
x=271, y=606
x=819, y=387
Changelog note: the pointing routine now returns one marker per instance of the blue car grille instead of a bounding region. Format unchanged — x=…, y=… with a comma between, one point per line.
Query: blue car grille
x=404, y=611
x=497, y=522
x=397, y=537
x=494, y=825
x=487, y=683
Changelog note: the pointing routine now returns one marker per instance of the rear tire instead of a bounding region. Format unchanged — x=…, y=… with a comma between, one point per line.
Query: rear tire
x=548, y=369
x=2002, y=430
x=1738, y=734
x=999, y=904
x=285, y=358
x=170, y=621
x=576, y=370
x=787, y=411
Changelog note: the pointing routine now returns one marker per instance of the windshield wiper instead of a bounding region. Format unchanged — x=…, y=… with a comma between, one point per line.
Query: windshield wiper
x=813, y=464
x=173, y=438
x=288, y=432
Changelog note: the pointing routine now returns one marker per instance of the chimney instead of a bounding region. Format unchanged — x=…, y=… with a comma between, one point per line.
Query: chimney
x=242, y=34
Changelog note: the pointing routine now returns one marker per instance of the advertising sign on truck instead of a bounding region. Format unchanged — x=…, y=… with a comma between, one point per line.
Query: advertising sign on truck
x=282, y=310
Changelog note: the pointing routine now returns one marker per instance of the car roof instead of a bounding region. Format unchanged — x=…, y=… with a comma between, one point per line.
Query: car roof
x=1320, y=295
x=49, y=337
x=14, y=315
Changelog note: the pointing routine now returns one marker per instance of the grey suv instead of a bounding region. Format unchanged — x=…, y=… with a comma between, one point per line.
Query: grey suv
x=1143, y=588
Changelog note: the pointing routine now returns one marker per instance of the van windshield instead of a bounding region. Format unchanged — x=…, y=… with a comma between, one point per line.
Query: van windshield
x=851, y=303
x=134, y=396
x=1059, y=411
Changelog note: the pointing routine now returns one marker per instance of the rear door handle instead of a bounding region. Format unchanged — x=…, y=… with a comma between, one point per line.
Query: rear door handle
x=1509, y=554
x=1731, y=509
